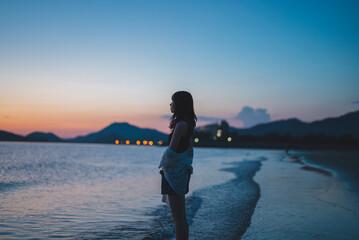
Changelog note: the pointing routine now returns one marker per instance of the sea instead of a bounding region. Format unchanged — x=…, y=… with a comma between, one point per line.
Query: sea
x=105, y=191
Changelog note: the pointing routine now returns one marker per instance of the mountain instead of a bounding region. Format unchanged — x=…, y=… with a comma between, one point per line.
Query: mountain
x=43, y=137
x=348, y=123
x=293, y=126
x=32, y=137
x=336, y=126
x=115, y=131
x=8, y=136
x=121, y=131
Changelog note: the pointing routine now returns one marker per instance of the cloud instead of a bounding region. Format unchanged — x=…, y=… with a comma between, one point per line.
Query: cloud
x=200, y=118
x=250, y=116
x=355, y=102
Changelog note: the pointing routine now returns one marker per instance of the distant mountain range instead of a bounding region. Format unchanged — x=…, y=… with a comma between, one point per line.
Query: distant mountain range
x=121, y=132
x=115, y=131
x=336, y=126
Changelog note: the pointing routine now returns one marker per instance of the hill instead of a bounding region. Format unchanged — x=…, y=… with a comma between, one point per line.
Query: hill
x=43, y=137
x=121, y=131
x=336, y=126
x=8, y=136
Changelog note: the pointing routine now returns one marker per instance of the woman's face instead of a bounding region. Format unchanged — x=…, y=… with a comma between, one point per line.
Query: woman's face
x=172, y=107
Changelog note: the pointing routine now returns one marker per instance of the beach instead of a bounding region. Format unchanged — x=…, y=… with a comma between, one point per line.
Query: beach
x=302, y=203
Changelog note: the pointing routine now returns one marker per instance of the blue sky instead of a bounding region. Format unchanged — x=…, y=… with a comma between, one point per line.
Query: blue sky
x=71, y=67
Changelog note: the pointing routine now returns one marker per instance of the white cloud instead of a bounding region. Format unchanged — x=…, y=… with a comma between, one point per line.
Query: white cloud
x=250, y=116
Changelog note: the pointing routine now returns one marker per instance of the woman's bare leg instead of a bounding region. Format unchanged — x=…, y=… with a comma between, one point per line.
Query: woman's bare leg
x=178, y=209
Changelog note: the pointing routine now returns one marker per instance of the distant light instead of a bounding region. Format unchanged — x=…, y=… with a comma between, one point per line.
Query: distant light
x=117, y=142
x=196, y=140
x=219, y=134
x=229, y=139
x=160, y=142
x=144, y=142
x=150, y=142
x=138, y=142
x=127, y=142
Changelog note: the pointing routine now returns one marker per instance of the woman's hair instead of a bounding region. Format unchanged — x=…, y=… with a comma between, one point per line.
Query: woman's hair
x=184, y=111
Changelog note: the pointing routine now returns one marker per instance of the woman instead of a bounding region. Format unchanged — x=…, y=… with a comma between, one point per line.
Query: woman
x=176, y=162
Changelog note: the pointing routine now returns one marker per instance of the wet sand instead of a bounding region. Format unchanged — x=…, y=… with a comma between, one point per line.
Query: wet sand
x=299, y=201
x=296, y=159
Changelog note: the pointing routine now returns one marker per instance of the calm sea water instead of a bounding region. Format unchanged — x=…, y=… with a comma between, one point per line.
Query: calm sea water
x=50, y=190
x=94, y=191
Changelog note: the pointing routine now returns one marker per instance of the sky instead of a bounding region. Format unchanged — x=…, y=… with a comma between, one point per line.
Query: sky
x=74, y=67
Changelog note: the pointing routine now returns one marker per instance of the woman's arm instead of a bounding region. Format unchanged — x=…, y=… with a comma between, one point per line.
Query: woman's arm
x=178, y=133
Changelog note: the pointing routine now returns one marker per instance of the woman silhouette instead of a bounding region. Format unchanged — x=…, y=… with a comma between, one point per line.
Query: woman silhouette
x=176, y=162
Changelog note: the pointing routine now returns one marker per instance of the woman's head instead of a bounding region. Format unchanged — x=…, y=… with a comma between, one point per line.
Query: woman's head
x=182, y=108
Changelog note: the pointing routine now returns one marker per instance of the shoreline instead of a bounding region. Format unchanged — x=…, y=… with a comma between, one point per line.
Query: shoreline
x=343, y=165
x=300, y=201
x=278, y=146
x=296, y=159
x=231, y=202
x=233, y=145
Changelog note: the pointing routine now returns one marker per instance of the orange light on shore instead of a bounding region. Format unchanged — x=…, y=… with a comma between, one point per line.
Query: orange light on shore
x=160, y=142
x=138, y=142
x=127, y=142
x=150, y=143
x=117, y=142
x=144, y=142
